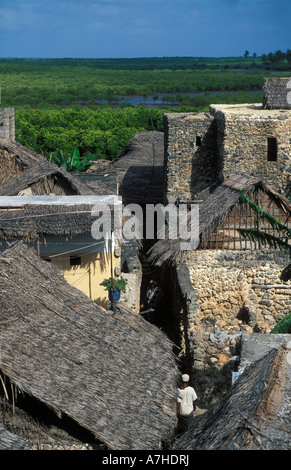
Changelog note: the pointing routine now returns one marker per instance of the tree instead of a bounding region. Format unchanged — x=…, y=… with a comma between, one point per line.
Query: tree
x=279, y=56
x=246, y=54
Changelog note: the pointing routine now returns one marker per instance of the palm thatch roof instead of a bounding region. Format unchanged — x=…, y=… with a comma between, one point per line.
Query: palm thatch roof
x=34, y=220
x=254, y=415
x=15, y=158
x=140, y=169
x=114, y=374
x=9, y=441
x=214, y=209
x=45, y=178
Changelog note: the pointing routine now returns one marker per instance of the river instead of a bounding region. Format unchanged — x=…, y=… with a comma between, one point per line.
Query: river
x=158, y=99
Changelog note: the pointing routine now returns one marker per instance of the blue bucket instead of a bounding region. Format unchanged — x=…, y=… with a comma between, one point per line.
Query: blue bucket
x=116, y=295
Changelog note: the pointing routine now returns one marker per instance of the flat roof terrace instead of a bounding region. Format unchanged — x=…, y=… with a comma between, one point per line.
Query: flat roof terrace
x=255, y=109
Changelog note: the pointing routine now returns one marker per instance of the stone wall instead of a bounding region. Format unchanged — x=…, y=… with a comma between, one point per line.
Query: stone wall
x=244, y=133
x=7, y=123
x=190, y=154
x=131, y=270
x=277, y=93
x=202, y=149
x=230, y=295
x=235, y=288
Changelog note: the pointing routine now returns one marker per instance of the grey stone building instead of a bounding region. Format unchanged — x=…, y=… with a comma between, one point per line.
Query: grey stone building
x=203, y=149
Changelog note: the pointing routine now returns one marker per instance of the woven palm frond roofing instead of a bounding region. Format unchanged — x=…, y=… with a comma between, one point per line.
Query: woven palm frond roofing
x=214, y=209
x=45, y=174
x=114, y=374
x=140, y=169
x=20, y=152
x=33, y=221
x=255, y=413
x=9, y=441
x=15, y=158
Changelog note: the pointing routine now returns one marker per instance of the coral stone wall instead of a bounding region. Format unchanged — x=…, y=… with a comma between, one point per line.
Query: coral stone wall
x=236, y=293
x=7, y=123
x=204, y=148
x=277, y=93
x=190, y=154
x=244, y=133
x=235, y=288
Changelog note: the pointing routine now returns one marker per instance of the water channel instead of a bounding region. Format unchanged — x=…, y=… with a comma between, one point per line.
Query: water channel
x=159, y=99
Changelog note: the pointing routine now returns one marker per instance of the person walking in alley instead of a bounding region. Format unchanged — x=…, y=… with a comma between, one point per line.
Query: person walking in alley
x=154, y=295
x=185, y=404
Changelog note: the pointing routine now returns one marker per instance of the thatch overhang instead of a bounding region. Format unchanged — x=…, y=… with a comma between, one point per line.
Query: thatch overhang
x=114, y=374
x=33, y=217
x=15, y=158
x=214, y=210
x=45, y=178
x=10, y=441
x=254, y=415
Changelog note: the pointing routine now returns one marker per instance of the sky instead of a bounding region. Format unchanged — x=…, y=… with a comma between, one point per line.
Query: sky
x=143, y=28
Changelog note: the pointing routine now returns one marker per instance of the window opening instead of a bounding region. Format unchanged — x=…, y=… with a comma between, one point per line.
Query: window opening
x=75, y=260
x=272, y=149
x=198, y=140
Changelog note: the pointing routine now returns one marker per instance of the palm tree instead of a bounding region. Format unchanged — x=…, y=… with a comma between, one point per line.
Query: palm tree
x=281, y=241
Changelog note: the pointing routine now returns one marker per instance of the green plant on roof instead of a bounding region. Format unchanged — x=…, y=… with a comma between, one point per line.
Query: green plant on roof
x=112, y=284
x=73, y=162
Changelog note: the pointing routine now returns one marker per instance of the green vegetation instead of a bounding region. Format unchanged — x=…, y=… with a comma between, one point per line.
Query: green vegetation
x=43, y=82
x=79, y=103
x=112, y=284
x=50, y=85
x=284, y=326
x=102, y=131
x=279, y=241
x=73, y=162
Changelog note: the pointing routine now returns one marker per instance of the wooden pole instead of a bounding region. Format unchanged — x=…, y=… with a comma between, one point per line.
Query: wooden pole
x=111, y=260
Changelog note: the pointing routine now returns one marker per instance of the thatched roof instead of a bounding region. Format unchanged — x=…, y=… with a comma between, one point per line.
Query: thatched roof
x=46, y=178
x=254, y=415
x=140, y=169
x=32, y=220
x=114, y=374
x=214, y=209
x=15, y=158
x=9, y=441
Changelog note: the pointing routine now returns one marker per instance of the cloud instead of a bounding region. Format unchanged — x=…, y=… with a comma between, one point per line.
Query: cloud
x=26, y=15
x=142, y=27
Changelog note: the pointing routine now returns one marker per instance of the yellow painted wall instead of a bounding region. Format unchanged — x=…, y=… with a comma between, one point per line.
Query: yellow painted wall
x=94, y=268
